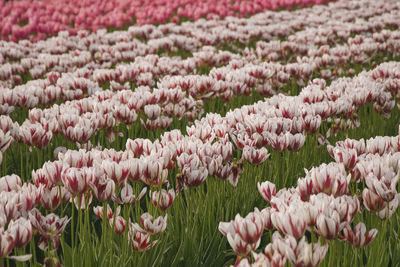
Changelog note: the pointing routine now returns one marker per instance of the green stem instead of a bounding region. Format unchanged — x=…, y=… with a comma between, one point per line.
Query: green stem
x=73, y=230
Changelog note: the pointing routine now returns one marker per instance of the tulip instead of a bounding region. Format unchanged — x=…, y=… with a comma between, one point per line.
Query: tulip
x=383, y=187
x=150, y=225
x=6, y=243
x=291, y=222
x=329, y=224
x=50, y=227
x=5, y=140
x=305, y=254
x=118, y=172
x=346, y=156
x=358, y=237
x=83, y=201
x=103, y=188
x=139, y=241
x=305, y=187
x=347, y=207
x=267, y=190
x=53, y=171
x=119, y=224
x=77, y=180
x=152, y=112
x=128, y=197
x=240, y=247
x=254, y=156
x=251, y=227
x=98, y=211
x=226, y=227
x=21, y=230
x=51, y=199
x=387, y=212
x=163, y=200
x=10, y=183
x=372, y=201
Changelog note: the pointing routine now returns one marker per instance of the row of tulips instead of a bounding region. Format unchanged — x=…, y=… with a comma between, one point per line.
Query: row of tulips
x=237, y=78
x=77, y=176
x=270, y=122
x=322, y=205
x=35, y=20
x=65, y=53
x=107, y=174
x=169, y=99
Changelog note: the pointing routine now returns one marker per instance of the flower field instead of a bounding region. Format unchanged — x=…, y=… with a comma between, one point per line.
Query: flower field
x=200, y=133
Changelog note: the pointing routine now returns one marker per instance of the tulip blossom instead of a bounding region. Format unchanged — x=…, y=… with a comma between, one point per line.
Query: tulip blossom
x=117, y=171
x=358, y=236
x=254, y=156
x=98, y=211
x=21, y=229
x=249, y=228
x=385, y=187
x=226, y=227
x=306, y=254
x=292, y=223
x=5, y=140
x=51, y=199
x=138, y=240
x=346, y=156
x=83, y=201
x=103, y=188
x=10, y=183
x=119, y=224
x=151, y=226
x=390, y=209
x=240, y=247
x=77, y=180
x=49, y=227
x=266, y=214
x=267, y=190
x=164, y=199
x=6, y=243
x=128, y=197
x=329, y=225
